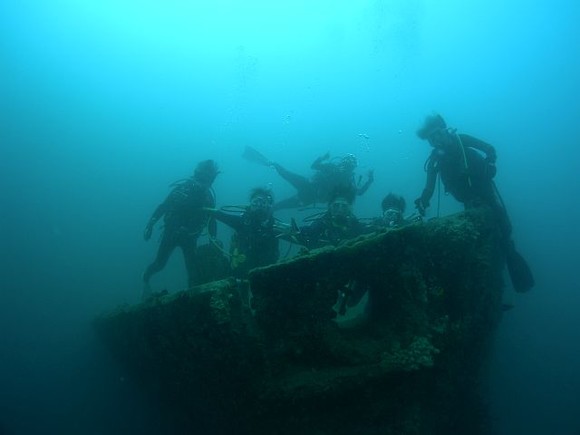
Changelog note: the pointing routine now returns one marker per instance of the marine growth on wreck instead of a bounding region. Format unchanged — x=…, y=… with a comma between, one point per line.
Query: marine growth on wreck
x=386, y=334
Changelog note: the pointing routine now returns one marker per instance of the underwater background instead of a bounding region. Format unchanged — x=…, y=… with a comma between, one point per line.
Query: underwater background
x=105, y=103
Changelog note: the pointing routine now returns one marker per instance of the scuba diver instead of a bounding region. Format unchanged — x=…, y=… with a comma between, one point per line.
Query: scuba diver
x=331, y=174
x=185, y=218
x=255, y=241
x=468, y=176
x=334, y=226
x=393, y=208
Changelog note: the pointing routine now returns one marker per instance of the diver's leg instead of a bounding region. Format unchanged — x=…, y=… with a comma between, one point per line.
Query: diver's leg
x=504, y=222
x=164, y=251
x=520, y=273
x=493, y=198
x=309, y=194
x=189, y=248
x=296, y=180
x=292, y=202
x=166, y=247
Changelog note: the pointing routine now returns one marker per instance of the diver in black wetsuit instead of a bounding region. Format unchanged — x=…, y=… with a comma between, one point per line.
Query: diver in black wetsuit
x=467, y=167
x=393, y=209
x=185, y=218
x=330, y=175
x=336, y=225
x=255, y=241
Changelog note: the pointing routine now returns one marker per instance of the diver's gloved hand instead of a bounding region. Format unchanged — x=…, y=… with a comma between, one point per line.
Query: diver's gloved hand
x=371, y=175
x=148, y=231
x=421, y=206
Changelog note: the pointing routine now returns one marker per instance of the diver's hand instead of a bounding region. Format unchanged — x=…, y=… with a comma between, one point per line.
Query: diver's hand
x=317, y=164
x=421, y=206
x=371, y=175
x=148, y=231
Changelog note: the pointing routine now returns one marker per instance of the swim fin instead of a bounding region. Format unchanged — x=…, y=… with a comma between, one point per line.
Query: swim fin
x=253, y=155
x=520, y=273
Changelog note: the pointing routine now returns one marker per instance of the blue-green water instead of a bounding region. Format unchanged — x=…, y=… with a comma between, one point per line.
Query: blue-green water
x=104, y=103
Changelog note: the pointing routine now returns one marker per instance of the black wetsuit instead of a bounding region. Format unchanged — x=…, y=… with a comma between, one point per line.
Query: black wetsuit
x=185, y=218
x=328, y=178
x=469, y=178
x=254, y=238
x=327, y=231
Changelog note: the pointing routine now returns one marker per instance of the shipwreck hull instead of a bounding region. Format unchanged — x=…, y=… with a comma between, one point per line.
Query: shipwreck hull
x=407, y=359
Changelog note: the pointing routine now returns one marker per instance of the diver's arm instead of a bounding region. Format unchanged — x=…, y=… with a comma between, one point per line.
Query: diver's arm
x=365, y=228
x=370, y=178
x=310, y=235
x=423, y=201
x=295, y=234
x=231, y=220
x=288, y=232
x=172, y=199
x=429, y=188
x=473, y=142
x=157, y=214
x=317, y=164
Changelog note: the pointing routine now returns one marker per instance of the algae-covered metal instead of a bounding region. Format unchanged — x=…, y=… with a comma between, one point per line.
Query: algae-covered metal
x=405, y=360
